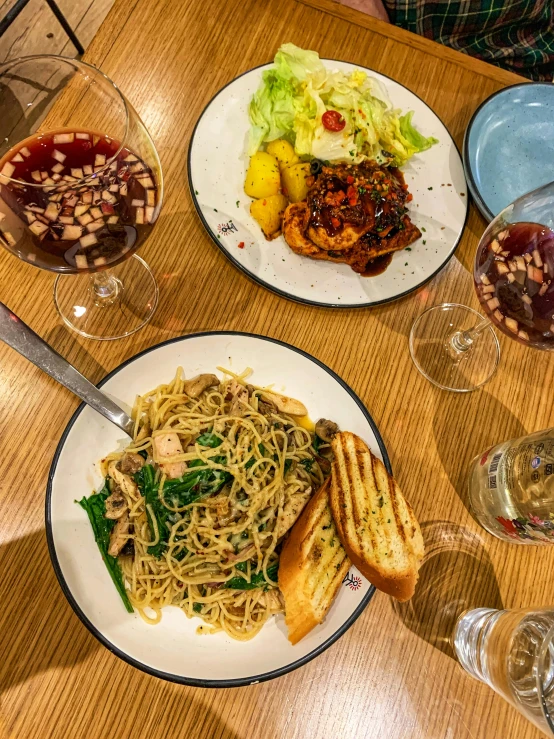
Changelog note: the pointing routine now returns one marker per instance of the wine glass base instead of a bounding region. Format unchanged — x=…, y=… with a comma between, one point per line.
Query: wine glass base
x=125, y=305
x=432, y=354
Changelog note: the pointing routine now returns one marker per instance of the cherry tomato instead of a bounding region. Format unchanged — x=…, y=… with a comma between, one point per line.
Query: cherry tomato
x=333, y=121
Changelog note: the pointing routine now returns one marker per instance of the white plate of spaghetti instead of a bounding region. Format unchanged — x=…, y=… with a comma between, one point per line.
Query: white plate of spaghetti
x=171, y=558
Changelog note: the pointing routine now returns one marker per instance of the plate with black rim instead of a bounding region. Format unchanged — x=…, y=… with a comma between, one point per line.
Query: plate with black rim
x=172, y=650
x=217, y=164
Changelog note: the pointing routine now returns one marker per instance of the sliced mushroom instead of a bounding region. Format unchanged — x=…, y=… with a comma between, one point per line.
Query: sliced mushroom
x=120, y=535
x=130, y=463
x=291, y=511
x=326, y=429
x=324, y=464
x=168, y=445
x=124, y=481
x=266, y=407
x=196, y=386
x=128, y=550
x=287, y=405
x=116, y=504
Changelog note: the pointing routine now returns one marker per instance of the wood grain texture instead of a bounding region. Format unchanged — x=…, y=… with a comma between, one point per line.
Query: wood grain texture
x=37, y=31
x=392, y=675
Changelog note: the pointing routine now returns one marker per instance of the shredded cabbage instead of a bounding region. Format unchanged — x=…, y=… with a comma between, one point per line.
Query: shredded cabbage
x=296, y=92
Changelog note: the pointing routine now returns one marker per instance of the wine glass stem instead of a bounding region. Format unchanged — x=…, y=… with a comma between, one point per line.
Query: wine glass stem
x=461, y=341
x=105, y=287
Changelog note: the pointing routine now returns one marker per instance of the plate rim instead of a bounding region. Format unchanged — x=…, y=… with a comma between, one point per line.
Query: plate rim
x=171, y=677
x=273, y=288
x=485, y=211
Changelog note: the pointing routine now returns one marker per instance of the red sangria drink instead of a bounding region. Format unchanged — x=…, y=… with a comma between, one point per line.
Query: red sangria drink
x=81, y=187
x=514, y=273
x=75, y=200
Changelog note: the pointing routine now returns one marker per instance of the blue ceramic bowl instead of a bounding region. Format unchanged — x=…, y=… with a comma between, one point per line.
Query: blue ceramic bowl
x=509, y=145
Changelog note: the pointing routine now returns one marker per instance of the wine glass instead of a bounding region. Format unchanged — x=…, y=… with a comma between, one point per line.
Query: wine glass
x=455, y=347
x=80, y=190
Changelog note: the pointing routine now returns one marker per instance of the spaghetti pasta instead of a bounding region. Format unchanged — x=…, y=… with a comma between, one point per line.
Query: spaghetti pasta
x=203, y=496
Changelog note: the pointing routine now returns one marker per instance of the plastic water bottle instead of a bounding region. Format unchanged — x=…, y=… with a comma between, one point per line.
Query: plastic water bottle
x=511, y=489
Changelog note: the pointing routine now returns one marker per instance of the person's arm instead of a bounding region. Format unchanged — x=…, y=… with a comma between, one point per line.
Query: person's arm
x=370, y=7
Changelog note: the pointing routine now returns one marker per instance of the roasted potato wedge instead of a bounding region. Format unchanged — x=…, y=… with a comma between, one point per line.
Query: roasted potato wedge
x=268, y=212
x=283, y=152
x=262, y=178
x=294, y=181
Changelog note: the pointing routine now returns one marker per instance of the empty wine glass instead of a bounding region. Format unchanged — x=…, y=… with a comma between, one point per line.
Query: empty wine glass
x=80, y=190
x=455, y=347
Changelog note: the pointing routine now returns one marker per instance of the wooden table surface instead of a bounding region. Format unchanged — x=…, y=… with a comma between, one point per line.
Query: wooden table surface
x=393, y=674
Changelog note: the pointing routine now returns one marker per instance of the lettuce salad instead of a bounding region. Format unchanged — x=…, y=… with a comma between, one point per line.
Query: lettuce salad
x=298, y=90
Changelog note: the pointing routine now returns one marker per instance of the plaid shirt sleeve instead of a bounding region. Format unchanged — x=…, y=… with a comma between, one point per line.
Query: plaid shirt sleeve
x=515, y=34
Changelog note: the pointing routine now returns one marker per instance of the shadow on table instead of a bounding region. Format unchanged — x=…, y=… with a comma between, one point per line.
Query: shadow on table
x=456, y=575
x=400, y=315
x=491, y=423
x=67, y=343
x=180, y=287
x=39, y=631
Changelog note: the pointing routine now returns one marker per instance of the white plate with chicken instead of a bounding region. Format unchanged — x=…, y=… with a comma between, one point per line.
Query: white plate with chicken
x=167, y=546
x=328, y=183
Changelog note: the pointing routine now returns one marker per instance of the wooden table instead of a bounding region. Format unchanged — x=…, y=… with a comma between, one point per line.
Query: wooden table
x=393, y=673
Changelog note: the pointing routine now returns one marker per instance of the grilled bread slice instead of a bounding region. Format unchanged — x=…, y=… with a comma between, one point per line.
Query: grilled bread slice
x=312, y=566
x=376, y=525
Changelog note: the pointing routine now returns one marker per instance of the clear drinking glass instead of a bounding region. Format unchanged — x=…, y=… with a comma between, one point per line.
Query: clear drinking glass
x=81, y=188
x=513, y=653
x=456, y=348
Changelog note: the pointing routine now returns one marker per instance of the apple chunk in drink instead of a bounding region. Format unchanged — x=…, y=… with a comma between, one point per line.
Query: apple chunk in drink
x=514, y=273
x=75, y=201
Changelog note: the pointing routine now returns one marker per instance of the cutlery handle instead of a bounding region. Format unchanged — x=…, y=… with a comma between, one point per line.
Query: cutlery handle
x=20, y=337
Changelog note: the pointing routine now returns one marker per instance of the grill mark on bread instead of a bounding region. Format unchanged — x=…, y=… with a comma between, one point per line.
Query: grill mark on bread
x=355, y=502
x=339, y=495
x=411, y=517
x=350, y=494
x=398, y=518
x=311, y=533
x=389, y=548
x=335, y=582
x=313, y=565
x=373, y=462
x=379, y=470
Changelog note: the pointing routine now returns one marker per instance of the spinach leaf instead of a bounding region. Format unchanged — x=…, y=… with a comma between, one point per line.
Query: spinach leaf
x=209, y=439
x=317, y=442
x=308, y=464
x=180, y=555
x=288, y=463
x=256, y=581
x=197, y=607
x=196, y=484
x=95, y=506
x=179, y=492
x=143, y=454
x=146, y=482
